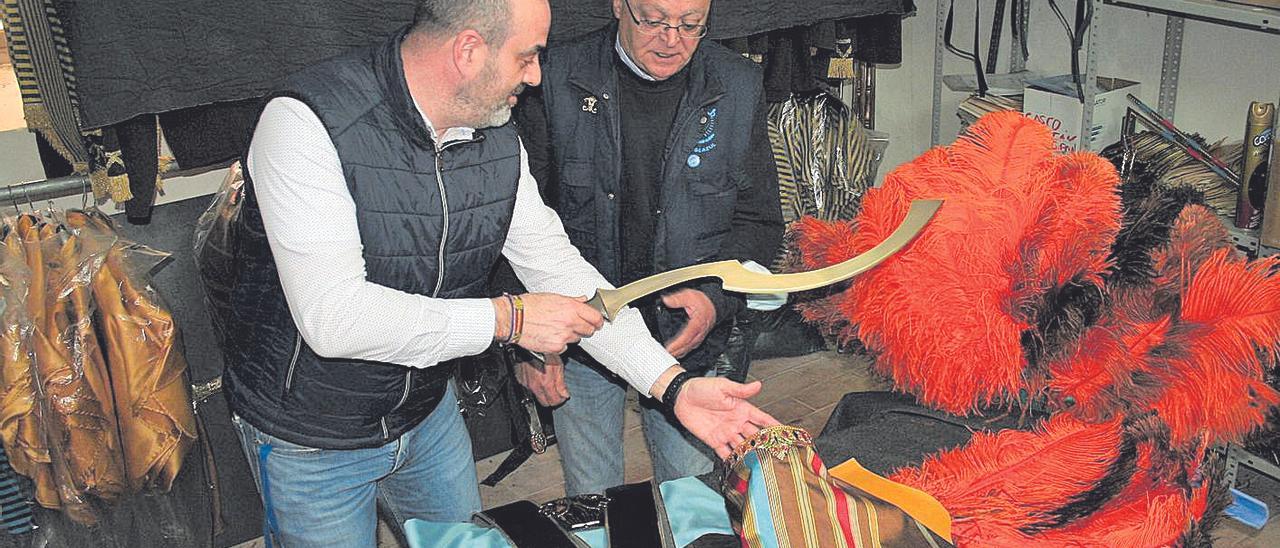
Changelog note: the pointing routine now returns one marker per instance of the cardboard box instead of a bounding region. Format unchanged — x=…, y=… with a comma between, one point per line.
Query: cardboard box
x=1054, y=102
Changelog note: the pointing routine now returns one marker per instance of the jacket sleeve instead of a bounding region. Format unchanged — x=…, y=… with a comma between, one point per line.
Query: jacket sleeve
x=756, y=233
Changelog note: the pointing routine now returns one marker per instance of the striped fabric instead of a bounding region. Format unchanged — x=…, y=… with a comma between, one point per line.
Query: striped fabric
x=826, y=160
x=46, y=76
x=15, y=505
x=780, y=494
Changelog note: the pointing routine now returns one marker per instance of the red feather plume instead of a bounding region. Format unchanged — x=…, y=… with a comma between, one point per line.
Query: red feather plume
x=1001, y=484
x=1149, y=512
x=945, y=315
x=1110, y=369
x=1231, y=318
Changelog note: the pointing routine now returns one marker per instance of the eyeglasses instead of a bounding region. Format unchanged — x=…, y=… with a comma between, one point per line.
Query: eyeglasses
x=647, y=26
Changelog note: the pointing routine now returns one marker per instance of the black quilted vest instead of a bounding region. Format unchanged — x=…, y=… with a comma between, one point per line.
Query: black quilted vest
x=432, y=223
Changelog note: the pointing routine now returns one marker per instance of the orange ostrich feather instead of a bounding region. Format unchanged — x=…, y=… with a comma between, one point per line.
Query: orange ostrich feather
x=1231, y=321
x=1111, y=368
x=1148, y=512
x=944, y=316
x=1002, y=485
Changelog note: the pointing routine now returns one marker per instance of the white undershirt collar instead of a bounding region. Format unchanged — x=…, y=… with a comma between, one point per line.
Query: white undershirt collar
x=626, y=60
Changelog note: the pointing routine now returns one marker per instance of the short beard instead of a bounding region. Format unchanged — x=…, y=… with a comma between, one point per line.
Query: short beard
x=470, y=100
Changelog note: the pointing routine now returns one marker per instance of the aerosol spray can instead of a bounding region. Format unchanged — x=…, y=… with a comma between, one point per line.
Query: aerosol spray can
x=1258, y=131
x=1270, y=234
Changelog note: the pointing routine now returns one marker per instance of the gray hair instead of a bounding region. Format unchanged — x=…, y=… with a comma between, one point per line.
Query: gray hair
x=490, y=18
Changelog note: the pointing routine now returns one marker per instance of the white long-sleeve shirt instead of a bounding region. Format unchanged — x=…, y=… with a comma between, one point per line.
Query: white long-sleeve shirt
x=310, y=222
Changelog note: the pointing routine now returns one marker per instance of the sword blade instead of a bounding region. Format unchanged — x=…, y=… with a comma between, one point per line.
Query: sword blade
x=736, y=277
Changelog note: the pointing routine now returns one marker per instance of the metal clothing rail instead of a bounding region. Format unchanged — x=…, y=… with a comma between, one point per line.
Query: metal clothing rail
x=47, y=189
x=33, y=192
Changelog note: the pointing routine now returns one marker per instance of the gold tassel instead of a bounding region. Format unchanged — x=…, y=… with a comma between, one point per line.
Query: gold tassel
x=840, y=67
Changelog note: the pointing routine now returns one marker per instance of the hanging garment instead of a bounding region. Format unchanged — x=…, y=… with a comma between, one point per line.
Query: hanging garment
x=94, y=403
x=210, y=135
x=15, y=504
x=154, y=56
x=139, y=140
x=21, y=420
x=157, y=424
x=81, y=438
x=876, y=38
x=46, y=77
x=79, y=392
x=826, y=160
x=107, y=175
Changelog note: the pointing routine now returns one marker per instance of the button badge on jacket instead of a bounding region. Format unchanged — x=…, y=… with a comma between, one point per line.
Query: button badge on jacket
x=589, y=104
x=707, y=142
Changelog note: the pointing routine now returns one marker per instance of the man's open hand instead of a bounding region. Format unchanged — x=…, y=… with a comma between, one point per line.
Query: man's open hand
x=718, y=413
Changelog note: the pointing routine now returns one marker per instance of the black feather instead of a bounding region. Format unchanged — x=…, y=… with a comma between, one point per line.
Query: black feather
x=1118, y=475
x=1147, y=224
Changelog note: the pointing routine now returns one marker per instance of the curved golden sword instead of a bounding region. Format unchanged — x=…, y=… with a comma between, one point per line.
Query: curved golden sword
x=737, y=278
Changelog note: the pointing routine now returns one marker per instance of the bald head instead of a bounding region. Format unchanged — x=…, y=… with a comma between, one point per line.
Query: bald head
x=490, y=18
x=462, y=77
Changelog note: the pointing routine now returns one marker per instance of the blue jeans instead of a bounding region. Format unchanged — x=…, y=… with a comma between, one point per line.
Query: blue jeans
x=589, y=432
x=329, y=497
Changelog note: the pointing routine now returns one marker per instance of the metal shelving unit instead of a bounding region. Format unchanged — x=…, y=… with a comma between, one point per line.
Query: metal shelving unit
x=1215, y=11
x=1245, y=17
x=1017, y=63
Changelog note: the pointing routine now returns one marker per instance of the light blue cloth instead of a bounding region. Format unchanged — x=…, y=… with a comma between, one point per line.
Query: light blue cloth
x=693, y=509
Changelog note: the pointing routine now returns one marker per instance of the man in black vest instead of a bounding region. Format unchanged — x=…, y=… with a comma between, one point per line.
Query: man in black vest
x=653, y=148
x=382, y=187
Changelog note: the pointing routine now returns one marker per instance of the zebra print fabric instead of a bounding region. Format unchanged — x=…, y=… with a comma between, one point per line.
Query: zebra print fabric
x=46, y=76
x=826, y=159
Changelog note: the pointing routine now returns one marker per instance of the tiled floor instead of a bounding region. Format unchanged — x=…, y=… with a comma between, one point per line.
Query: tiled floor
x=801, y=391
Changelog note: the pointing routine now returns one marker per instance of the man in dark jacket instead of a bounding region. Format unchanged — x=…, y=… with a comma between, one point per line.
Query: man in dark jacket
x=381, y=188
x=653, y=148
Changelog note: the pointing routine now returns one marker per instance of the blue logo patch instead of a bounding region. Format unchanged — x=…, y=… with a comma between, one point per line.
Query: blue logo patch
x=707, y=142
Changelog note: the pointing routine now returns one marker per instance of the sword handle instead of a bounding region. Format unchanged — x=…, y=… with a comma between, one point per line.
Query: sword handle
x=597, y=302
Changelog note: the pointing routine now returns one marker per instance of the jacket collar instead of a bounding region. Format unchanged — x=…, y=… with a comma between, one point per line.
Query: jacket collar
x=411, y=120
x=600, y=76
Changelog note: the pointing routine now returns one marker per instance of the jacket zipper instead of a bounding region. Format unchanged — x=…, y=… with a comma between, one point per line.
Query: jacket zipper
x=444, y=231
x=444, y=237
x=293, y=363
